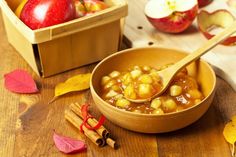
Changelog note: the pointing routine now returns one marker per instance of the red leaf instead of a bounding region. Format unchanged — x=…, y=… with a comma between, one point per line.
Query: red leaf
x=20, y=81
x=68, y=145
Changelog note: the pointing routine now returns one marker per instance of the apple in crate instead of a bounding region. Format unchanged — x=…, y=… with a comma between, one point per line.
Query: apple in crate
x=88, y=7
x=43, y=13
x=171, y=16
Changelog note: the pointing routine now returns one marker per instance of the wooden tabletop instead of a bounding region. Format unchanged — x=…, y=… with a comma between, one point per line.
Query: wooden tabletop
x=27, y=121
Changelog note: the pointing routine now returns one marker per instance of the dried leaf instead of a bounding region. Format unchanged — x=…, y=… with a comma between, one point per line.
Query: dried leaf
x=20, y=81
x=230, y=132
x=76, y=83
x=234, y=119
x=68, y=145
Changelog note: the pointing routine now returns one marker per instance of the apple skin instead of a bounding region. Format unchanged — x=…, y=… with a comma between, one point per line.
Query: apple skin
x=202, y=3
x=176, y=22
x=43, y=13
x=227, y=42
x=206, y=20
x=89, y=7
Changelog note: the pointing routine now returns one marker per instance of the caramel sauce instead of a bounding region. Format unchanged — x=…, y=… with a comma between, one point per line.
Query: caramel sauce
x=189, y=96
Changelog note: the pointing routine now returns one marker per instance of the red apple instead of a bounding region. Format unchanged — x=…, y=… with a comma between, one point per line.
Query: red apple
x=43, y=13
x=171, y=16
x=202, y=3
x=88, y=7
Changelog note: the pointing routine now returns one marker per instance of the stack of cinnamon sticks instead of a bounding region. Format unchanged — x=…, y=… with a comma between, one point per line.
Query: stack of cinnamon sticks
x=100, y=136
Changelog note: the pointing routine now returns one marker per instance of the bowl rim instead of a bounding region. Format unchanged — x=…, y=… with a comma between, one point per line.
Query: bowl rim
x=144, y=114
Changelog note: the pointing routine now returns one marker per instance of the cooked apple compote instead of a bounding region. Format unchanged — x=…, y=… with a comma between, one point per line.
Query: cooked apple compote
x=143, y=82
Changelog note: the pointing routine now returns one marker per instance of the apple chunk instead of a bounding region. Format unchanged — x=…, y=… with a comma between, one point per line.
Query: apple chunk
x=171, y=16
x=211, y=24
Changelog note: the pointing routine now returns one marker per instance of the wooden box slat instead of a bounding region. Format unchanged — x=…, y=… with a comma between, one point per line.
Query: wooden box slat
x=65, y=46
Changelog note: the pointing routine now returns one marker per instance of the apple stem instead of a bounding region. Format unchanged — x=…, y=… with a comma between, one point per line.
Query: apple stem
x=83, y=3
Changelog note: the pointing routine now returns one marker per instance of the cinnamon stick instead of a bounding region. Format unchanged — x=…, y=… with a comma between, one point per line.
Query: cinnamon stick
x=92, y=135
x=102, y=131
x=111, y=143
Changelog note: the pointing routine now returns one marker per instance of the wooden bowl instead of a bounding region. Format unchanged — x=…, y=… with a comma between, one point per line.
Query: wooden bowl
x=155, y=57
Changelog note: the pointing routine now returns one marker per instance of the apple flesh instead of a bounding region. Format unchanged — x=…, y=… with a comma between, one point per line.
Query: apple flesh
x=89, y=7
x=171, y=16
x=43, y=13
x=202, y=3
x=211, y=24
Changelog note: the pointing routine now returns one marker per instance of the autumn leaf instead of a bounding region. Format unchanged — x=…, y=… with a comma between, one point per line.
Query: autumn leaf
x=230, y=133
x=20, y=81
x=234, y=119
x=76, y=83
x=68, y=145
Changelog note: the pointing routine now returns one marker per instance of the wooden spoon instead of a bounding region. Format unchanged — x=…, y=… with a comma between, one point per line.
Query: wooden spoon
x=168, y=73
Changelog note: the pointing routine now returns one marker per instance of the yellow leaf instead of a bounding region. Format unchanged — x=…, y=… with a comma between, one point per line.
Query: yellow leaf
x=76, y=83
x=234, y=119
x=230, y=131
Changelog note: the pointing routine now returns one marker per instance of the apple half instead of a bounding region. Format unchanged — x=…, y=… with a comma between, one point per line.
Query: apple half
x=203, y=3
x=171, y=16
x=212, y=23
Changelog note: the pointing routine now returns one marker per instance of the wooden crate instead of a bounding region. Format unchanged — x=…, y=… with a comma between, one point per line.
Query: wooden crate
x=65, y=46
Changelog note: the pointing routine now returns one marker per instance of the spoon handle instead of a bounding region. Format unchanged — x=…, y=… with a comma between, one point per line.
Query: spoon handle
x=206, y=47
